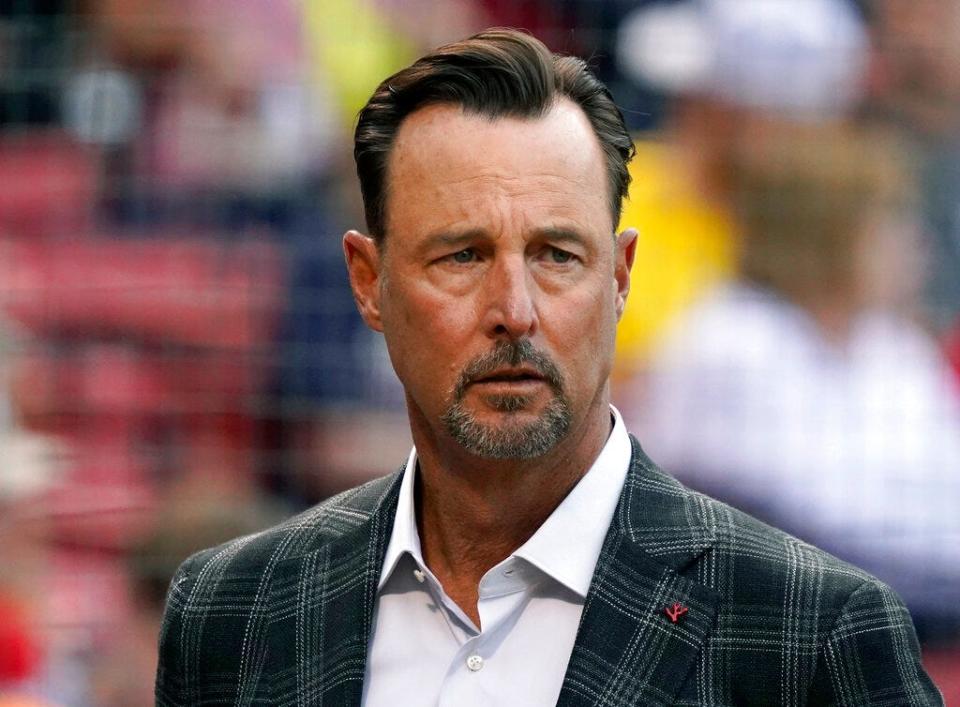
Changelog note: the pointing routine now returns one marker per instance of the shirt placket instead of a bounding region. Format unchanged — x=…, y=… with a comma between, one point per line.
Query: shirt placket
x=471, y=678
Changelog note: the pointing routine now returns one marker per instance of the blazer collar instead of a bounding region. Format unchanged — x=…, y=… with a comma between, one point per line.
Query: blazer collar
x=627, y=650
x=660, y=516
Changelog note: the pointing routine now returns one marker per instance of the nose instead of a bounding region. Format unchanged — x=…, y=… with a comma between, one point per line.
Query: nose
x=510, y=305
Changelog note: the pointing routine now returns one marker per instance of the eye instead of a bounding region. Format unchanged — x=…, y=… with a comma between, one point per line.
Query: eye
x=467, y=255
x=560, y=256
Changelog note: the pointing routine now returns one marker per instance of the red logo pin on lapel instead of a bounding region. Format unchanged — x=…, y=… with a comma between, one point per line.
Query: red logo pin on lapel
x=676, y=611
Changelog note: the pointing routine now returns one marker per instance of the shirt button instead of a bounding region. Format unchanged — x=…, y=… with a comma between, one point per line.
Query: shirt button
x=474, y=662
x=421, y=577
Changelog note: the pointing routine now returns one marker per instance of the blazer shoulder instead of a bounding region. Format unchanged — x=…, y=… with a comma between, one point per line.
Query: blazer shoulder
x=662, y=507
x=763, y=550
x=309, y=530
x=842, y=635
x=212, y=638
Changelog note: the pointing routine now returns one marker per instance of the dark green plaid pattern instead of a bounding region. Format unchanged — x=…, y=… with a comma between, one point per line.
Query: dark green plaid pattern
x=283, y=617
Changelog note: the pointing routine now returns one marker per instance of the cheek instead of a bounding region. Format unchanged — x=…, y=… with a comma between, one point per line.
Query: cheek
x=426, y=333
x=592, y=312
x=584, y=329
x=435, y=319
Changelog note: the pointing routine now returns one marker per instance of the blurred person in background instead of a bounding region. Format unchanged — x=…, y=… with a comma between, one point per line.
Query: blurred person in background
x=122, y=672
x=801, y=391
x=916, y=89
x=528, y=552
x=29, y=465
x=208, y=108
x=729, y=69
x=230, y=138
x=149, y=302
x=35, y=46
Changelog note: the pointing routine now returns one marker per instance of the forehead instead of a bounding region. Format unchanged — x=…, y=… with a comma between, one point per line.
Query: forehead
x=451, y=165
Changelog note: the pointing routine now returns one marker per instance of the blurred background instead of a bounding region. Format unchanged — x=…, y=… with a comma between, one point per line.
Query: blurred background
x=181, y=361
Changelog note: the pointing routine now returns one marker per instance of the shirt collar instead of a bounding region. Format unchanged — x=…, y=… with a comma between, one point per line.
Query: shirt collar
x=566, y=547
x=404, y=538
x=568, y=544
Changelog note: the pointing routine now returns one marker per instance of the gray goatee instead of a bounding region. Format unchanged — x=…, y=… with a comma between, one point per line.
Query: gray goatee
x=510, y=439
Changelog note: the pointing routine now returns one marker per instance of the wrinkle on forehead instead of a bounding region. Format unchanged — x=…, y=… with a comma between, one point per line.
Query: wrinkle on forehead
x=450, y=161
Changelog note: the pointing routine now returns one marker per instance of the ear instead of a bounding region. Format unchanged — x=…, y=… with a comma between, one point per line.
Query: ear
x=626, y=249
x=363, y=265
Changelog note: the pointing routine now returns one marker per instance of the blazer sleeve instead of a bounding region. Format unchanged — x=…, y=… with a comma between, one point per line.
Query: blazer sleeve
x=170, y=687
x=871, y=655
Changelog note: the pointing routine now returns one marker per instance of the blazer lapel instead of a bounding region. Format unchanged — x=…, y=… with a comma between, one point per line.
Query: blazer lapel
x=323, y=603
x=629, y=650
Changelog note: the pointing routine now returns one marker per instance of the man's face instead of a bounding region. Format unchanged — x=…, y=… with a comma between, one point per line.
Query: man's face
x=919, y=44
x=499, y=285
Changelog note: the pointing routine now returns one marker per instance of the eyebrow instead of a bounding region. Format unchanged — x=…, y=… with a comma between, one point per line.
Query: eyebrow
x=447, y=241
x=451, y=239
x=458, y=239
x=562, y=235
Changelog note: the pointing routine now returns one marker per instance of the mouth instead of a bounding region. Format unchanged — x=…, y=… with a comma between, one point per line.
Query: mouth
x=511, y=375
x=514, y=370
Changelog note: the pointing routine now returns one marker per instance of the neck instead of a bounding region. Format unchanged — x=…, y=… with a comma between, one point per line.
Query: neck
x=473, y=513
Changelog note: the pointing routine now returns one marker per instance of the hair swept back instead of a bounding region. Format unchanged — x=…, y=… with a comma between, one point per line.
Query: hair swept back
x=497, y=73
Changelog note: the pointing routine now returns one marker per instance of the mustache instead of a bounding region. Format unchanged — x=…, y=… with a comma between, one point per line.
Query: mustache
x=510, y=353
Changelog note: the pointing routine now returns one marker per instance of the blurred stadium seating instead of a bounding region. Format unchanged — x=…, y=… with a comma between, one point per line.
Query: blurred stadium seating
x=180, y=359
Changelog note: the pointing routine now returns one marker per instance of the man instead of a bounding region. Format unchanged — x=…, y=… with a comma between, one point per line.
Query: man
x=528, y=552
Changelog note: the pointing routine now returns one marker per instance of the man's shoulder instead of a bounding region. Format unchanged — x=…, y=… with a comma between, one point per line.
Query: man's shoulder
x=792, y=623
x=761, y=558
x=213, y=639
x=324, y=523
x=756, y=544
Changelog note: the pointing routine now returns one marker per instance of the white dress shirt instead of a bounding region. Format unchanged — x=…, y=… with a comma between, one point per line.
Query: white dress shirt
x=424, y=650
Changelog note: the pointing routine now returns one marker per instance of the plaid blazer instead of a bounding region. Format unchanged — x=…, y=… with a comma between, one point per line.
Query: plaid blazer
x=283, y=617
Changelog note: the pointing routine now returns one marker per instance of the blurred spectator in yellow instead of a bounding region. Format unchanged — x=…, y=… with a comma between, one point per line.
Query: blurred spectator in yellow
x=353, y=44
x=730, y=67
x=799, y=392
